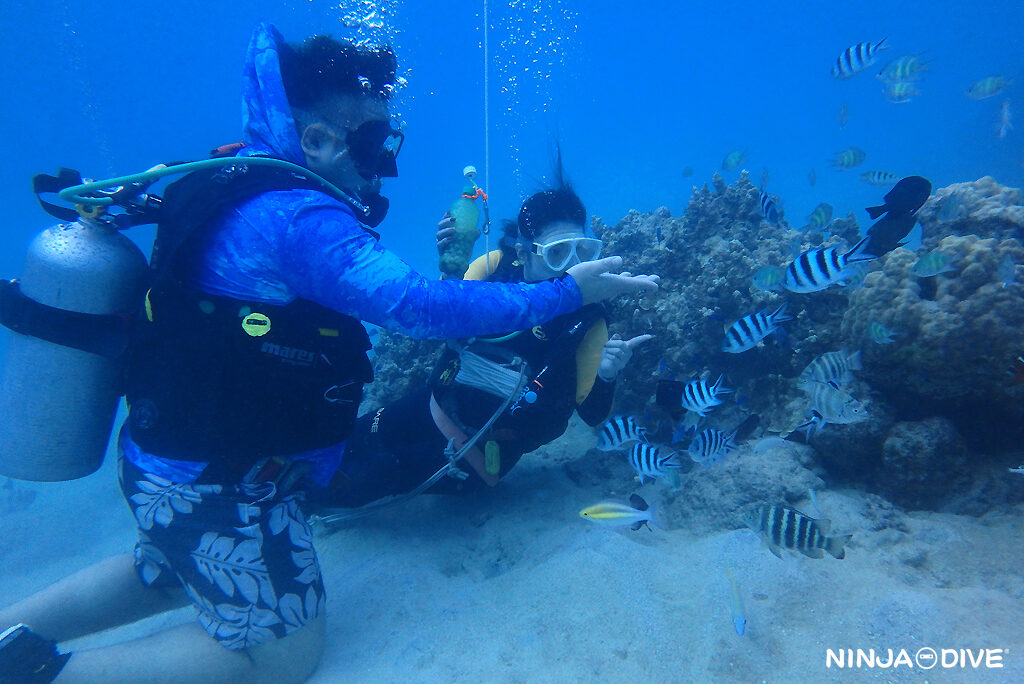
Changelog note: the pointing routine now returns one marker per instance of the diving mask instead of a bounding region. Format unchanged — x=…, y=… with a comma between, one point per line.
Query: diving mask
x=374, y=147
x=559, y=254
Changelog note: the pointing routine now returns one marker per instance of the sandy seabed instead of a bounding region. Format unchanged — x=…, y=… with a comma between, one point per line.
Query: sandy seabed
x=513, y=586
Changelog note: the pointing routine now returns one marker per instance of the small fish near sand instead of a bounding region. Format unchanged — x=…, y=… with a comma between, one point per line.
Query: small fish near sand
x=848, y=158
x=635, y=515
x=856, y=59
x=621, y=432
x=782, y=527
x=736, y=609
x=747, y=332
x=932, y=264
x=648, y=461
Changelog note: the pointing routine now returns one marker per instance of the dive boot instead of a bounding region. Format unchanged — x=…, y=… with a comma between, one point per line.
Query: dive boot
x=27, y=658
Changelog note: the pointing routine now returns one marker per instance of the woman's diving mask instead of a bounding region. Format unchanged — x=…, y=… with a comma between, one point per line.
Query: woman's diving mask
x=558, y=255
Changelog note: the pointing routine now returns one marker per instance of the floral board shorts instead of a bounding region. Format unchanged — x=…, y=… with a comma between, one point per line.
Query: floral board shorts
x=243, y=553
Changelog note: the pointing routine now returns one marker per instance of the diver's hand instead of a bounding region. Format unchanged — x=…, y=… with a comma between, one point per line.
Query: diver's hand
x=597, y=282
x=616, y=354
x=446, y=231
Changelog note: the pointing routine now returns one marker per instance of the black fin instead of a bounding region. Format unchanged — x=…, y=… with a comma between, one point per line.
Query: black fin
x=875, y=212
x=637, y=502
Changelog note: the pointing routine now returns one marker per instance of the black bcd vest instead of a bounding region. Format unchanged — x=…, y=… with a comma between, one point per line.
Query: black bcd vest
x=542, y=411
x=229, y=381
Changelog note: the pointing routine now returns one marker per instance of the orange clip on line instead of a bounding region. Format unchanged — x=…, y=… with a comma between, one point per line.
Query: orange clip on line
x=479, y=193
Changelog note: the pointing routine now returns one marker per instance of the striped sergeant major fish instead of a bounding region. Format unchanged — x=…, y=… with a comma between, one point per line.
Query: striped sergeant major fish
x=745, y=333
x=699, y=397
x=837, y=367
x=879, y=177
x=820, y=217
x=784, y=527
x=711, y=446
x=648, y=461
x=817, y=269
x=621, y=432
x=829, y=404
x=879, y=334
x=903, y=69
x=857, y=58
x=848, y=158
x=769, y=208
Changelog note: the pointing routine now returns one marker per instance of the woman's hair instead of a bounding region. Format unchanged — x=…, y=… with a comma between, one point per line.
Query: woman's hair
x=539, y=210
x=560, y=203
x=318, y=71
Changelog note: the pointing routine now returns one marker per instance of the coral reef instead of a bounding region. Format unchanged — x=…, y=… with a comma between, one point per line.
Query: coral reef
x=940, y=385
x=923, y=463
x=706, y=259
x=957, y=332
x=400, y=365
x=983, y=208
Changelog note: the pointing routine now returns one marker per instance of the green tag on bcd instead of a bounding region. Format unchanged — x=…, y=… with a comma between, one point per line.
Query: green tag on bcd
x=492, y=458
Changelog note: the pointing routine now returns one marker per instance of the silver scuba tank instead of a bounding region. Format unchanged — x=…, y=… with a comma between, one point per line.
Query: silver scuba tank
x=57, y=404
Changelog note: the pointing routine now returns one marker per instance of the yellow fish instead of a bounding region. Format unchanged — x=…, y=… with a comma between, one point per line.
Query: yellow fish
x=636, y=515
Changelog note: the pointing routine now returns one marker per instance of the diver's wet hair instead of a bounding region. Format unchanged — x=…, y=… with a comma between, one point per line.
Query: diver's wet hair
x=560, y=203
x=544, y=208
x=322, y=68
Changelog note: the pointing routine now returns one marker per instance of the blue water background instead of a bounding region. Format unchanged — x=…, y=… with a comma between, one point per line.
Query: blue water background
x=634, y=94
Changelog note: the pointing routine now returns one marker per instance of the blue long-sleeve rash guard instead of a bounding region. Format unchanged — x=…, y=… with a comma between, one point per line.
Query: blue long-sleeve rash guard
x=301, y=243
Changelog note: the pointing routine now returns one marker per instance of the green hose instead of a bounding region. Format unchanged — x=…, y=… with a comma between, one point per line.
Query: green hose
x=77, y=193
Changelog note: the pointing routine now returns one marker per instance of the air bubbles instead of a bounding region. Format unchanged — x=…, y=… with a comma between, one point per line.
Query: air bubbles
x=372, y=25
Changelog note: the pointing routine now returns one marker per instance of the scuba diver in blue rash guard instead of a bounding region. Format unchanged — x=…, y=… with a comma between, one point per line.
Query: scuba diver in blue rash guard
x=490, y=399
x=243, y=375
